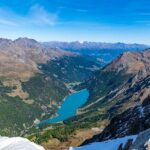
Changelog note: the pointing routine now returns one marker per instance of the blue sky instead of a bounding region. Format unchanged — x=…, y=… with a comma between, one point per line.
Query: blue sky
x=71, y=20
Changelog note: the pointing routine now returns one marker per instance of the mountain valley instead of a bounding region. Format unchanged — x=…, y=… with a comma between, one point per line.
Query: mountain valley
x=129, y=93
x=74, y=75
x=31, y=79
x=35, y=80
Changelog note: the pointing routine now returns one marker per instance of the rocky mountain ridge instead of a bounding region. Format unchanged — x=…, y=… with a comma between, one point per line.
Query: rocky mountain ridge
x=99, y=51
x=76, y=45
x=132, y=63
x=134, y=121
x=121, y=85
x=23, y=55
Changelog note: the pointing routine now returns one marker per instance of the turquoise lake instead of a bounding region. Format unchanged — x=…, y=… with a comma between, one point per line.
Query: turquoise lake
x=69, y=106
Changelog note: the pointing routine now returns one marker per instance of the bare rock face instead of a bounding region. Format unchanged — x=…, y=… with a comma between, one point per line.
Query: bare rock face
x=126, y=146
x=142, y=142
x=132, y=63
x=18, y=143
x=147, y=145
x=130, y=122
x=19, y=58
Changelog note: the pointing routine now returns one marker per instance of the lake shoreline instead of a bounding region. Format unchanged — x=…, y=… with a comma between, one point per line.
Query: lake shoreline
x=69, y=104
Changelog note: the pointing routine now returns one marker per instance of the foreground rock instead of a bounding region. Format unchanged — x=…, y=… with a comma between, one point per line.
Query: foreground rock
x=131, y=122
x=18, y=143
x=142, y=142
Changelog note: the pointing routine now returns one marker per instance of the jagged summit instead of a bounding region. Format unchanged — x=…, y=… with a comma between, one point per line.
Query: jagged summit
x=24, y=55
x=26, y=42
x=25, y=39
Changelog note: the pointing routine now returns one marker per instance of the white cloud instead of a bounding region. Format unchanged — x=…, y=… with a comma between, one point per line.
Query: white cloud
x=37, y=15
x=6, y=17
x=7, y=22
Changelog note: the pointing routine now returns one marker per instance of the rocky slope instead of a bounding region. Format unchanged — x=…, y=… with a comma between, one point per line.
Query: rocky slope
x=19, y=59
x=132, y=63
x=132, y=107
x=131, y=122
x=115, y=144
x=120, y=85
x=140, y=141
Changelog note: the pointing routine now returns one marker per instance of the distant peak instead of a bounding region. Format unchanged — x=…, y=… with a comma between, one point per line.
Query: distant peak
x=132, y=63
x=25, y=39
x=4, y=39
x=26, y=42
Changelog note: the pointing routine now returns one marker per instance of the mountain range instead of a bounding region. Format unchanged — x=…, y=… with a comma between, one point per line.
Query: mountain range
x=76, y=45
x=36, y=77
x=100, y=51
x=119, y=87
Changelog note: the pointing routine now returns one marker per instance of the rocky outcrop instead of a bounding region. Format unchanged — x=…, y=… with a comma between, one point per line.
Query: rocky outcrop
x=131, y=122
x=19, y=59
x=126, y=146
x=136, y=63
x=142, y=142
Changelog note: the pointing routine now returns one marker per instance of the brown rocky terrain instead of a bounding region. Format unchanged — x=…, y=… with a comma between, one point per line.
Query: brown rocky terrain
x=132, y=63
x=75, y=139
x=19, y=58
x=19, y=61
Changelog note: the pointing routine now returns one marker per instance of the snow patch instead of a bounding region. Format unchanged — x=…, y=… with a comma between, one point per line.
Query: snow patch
x=106, y=145
x=18, y=143
x=141, y=110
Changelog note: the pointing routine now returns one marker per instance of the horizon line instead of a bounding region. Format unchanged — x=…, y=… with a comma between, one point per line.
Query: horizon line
x=72, y=41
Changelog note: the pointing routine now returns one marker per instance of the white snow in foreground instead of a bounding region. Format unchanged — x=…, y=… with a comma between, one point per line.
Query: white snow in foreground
x=106, y=145
x=18, y=143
